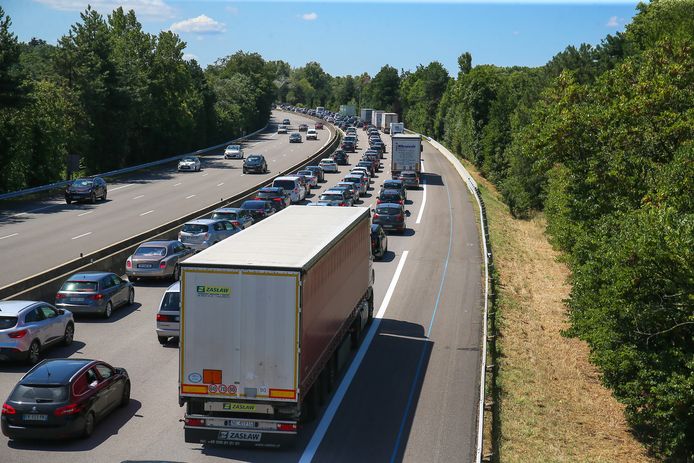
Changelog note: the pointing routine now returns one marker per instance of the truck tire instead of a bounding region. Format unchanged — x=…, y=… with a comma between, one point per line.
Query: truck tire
x=355, y=334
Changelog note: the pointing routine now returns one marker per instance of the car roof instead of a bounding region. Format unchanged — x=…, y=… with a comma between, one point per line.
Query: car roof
x=332, y=190
x=327, y=160
x=390, y=191
x=55, y=371
x=392, y=180
x=399, y=206
x=227, y=209
x=174, y=288
x=288, y=177
x=271, y=188
x=88, y=276
x=14, y=307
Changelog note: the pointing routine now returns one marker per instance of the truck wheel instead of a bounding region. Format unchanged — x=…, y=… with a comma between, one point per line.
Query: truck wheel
x=162, y=340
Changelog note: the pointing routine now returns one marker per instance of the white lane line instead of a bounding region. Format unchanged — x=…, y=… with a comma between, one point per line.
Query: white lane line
x=8, y=236
x=84, y=213
x=81, y=236
x=148, y=212
x=121, y=187
x=274, y=160
x=220, y=184
x=179, y=183
x=331, y=410
x=139, y=196
x=191, y=196
x=424, y=199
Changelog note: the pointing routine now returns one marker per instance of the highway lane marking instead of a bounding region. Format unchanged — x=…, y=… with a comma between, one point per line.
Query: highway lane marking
x=139, y=196
x=220, y=184
x=179, y=183
x=424, y=199
x=191, y=196
x=84, y=213
x=148, y=212
x=121, y=187
x=8, y=236
x=81, y=236
x=331, y=410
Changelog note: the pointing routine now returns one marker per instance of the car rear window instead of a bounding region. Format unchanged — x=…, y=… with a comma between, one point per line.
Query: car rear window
x=267, y=194
x=80, y=286
x=253, y=205
x=39, y=394
x=387, y=210
x=331, y=196
x=7, y=322
x=254, y=158
x=409, y=175
x=171, y=301
x=284, y=184
x=82, y=183
x=225, y=216
x=390, y=198
x=195, y=228
x=150, y=251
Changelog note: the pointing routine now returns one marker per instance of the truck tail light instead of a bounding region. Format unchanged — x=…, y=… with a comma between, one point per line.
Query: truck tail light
x=195, y=422
x=286, y=427
x=18, y=334
x=71, y=409
x=8, y=410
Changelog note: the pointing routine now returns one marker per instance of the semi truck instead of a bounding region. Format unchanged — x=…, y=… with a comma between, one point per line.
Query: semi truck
x=397, y=127
x=263, y=314
x=376, y=118
x=386, y=120
x=406, y=154
x=365, y=114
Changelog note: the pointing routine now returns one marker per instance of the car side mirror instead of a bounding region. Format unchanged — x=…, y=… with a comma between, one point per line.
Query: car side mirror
x=61, y=311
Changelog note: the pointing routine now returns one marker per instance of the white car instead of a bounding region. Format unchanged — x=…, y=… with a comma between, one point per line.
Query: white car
x=363, y=170
x=311, y=134
x=189, y=164
x=282, y=129
x=328, y=165
x=233, y=152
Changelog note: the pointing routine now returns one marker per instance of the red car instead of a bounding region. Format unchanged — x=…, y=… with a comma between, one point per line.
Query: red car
x=319, y=125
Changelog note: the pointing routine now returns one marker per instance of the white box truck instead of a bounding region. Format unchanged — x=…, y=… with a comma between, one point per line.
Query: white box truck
x=386, y=120
x=365, y=114
x=405, y=154
x=263, y=314
x=376, y=118
x=397, y=127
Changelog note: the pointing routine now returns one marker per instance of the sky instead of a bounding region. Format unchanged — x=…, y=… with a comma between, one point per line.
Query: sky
x=356, y=36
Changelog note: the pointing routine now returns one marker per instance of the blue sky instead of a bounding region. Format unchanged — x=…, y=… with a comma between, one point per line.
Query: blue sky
x=353, y=37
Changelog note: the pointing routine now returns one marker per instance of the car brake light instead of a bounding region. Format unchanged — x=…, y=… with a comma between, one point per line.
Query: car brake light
x=8, y=410
x=71, y=409
x=286, y=426
x=60, y=296
x=128, y=263
x=195, y=422
x=162, y=264
x=376, y=216
x=165, y=318
x=18, y=334
x=378, y=200
x=400, y=218
x=96, y=297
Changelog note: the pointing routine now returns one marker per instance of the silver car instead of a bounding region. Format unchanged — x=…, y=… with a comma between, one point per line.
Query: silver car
x=202, y=233
x=189, y=164
x=29, y=327
x=233, y=152
x=168, y=315
x=334, y=198
x=232, y=214
x=157, y=259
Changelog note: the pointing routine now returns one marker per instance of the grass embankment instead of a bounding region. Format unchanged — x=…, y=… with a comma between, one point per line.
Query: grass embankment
x=552, y=407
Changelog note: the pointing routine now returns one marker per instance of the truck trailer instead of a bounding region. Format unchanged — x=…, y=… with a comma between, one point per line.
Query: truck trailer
x=386, y=120
x=397, y=127
x=263, y=314
x=376, y=118
x=365, y=114
x=406, y=154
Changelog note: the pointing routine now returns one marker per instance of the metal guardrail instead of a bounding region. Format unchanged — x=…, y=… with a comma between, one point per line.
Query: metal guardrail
x=125, y=170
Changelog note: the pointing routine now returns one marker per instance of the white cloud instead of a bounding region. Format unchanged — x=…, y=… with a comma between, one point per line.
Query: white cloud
x=200, y=25
x=309, y=16
x=612, y=22
x=150, y=9
x=190, y=56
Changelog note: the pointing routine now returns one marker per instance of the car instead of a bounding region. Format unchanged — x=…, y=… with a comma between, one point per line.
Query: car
x=282, y=129
x=293, y=186
x=255, y=163
x=318, y=125
x=380, y=146
x=234, y=214
x=363, y=175
x=351, y=192
x=328, y=165
x=358, y=182
x=311, y=178
x=278, y=195
x=335, y=198
x=202, y=233
x=29, y=327
x=318, y=172
x=340, y=157
x=352, y=138
x=61, y=398
x=390, y=196
x=169, y=313
x=295, y=137
x=410, y=179
x=86, y=189
x=156, y=259
x=368, y=165
x=379, y=241
x=311, y=134
x=303, y=127
x=189, y=164
x=233, y=152
x=362, y=169
x=395, y=184
x=94, y=293
x=348, y=146
x=259, y=208
x=286, y=122
x=391, y=216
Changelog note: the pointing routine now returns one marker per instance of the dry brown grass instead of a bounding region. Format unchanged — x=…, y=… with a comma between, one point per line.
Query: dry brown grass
x=553, y=406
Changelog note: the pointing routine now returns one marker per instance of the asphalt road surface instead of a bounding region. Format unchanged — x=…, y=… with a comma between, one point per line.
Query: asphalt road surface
x=37, y=236
x=409, y=393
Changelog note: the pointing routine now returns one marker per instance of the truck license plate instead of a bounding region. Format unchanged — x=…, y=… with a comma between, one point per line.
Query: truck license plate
x=239, y=423
x=240, y=436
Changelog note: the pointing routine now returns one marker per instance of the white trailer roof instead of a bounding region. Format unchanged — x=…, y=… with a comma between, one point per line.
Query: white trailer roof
x=291, y=238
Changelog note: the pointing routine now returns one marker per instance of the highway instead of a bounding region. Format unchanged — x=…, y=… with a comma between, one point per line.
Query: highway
x=408, y=394
x=37, y=236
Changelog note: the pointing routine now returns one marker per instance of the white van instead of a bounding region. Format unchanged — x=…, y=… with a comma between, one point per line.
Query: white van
x=291, y=185
x=168, y=316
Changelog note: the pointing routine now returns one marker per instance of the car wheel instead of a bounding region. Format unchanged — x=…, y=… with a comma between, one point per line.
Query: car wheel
x=244, y=171
x=131, y=296
x=103, y=198
x=162, y=340
x=68, y=200
x=108, y=310
x=89, y=422
x=125, y=398
x=34, y=353
x=69, y=334
x=92, y=198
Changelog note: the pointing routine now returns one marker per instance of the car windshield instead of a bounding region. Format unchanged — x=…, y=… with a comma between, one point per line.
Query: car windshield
x=171, y=301
x=284, y=184
x=80, y=286
x=225, y=215
x=187, y=160
x=388, y=210
x=194, y=228
x=82, y=183
x=305, y=172
x=150, y=251
x=234, y=147
x=35, y=393
x=7, y=322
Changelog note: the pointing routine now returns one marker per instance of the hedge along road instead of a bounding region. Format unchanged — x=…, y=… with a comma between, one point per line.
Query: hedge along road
x=413, y=396
x=37, y=236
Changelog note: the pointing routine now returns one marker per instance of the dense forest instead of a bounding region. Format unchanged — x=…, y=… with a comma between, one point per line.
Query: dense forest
x=601, y=139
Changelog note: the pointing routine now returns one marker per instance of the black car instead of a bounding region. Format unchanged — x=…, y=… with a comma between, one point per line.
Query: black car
x=395, y=184
x=255, y=163
x=64, y=398
x=259, y=208
x=390, y=196
x=295, y=137
x=390, y=216
x=89, y=189
x=278, y=195
x=320, y=173
x=340, y=157
x=348, y=146
x=379, y=242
